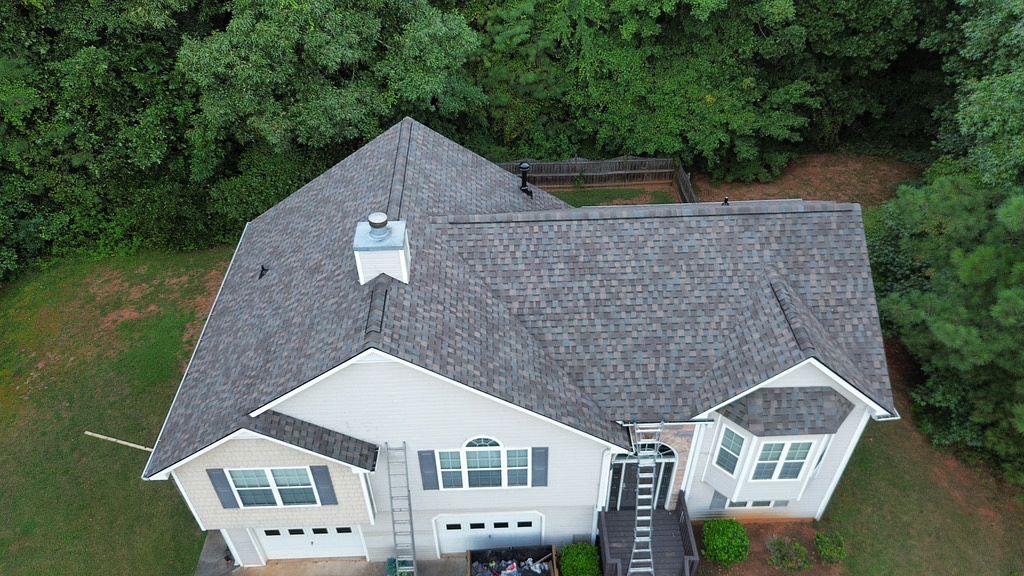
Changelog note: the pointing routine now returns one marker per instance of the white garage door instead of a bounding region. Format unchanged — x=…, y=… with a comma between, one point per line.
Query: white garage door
x=458, y=533
x=315, y=542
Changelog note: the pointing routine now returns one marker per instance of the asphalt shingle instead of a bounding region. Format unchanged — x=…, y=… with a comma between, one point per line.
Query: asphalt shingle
x=789, y=411
x=584, y=316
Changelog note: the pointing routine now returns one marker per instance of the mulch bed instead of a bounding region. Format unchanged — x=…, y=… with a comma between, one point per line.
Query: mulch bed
x=761, y=533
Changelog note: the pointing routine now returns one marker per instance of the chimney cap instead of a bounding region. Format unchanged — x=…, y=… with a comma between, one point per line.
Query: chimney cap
x=377, y=220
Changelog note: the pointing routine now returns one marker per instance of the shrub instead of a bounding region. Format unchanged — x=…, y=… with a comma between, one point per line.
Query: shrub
x=580, y=559
x=726, y=542
x=789, y=555
x=831, y=547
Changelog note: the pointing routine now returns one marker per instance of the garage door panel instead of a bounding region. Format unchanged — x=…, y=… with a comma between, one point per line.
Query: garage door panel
x=311, y=542
x=458, y=533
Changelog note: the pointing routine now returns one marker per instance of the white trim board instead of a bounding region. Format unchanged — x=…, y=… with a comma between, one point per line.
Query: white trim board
x=876, y=408
x=194, y=350
x=367, y=355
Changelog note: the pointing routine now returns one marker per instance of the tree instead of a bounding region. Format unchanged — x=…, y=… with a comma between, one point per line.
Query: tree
x=315, y=74
x=957, y=302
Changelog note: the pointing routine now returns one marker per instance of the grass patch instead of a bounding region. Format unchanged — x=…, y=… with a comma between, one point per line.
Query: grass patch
x=906, y=508
x=608, y=196
x=99, y=346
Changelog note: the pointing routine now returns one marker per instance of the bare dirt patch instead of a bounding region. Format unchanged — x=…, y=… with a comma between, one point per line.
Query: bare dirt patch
x=138, y=291
x=202, y=304
x=107, y=284
x=117, y=317
x=761, y=533
x=839, y=177
x=178, y=281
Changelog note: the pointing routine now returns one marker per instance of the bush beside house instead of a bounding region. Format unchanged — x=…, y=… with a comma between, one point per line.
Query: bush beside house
x=726, y=542
x=580, y=559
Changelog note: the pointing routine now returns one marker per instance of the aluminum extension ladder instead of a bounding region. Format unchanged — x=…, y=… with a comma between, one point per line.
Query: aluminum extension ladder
x=646, y=438
x=401, y=509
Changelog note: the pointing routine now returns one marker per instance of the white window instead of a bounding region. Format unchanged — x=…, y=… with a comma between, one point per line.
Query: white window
x=274, y=487
x=757, y=504
x=729, y=451
x=484, y=463
x=772, y=466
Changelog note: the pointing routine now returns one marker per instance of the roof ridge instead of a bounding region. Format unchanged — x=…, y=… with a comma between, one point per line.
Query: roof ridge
x=397, y=191
x=785, y=299
x=375, y=314
x=649, y=211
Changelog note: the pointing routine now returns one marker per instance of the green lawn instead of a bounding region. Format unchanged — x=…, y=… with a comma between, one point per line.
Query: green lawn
x=95, y=346
x=906, y=508
x=599, y=196
x=101, y=346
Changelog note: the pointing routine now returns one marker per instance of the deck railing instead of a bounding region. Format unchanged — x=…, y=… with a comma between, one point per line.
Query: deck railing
x=621, y=171
x=692, y=558
x=611, y=566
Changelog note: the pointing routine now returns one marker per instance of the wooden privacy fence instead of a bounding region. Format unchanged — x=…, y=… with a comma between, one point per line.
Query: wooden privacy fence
x=611, y=172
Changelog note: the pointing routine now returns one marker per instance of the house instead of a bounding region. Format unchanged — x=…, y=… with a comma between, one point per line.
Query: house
x=411, y=357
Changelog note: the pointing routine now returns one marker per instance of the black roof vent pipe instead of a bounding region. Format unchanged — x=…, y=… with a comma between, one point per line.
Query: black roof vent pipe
x=726, y=201
x=524, y=168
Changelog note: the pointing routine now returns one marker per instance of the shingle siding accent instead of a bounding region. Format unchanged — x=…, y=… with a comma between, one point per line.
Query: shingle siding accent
x=789, y=411
x=255, y=453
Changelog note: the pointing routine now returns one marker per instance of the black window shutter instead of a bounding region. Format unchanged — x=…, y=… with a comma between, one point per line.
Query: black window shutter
x=222, y=487
x=428, y=469
x=324, y=487
x=540, y=466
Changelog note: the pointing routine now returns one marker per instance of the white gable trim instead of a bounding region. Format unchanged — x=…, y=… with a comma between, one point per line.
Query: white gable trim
x=373, y=355
x=244, y=434
x=194, y=350
x=876, y=408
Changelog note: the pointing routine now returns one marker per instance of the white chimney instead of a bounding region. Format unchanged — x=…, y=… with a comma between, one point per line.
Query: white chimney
x=381, y=247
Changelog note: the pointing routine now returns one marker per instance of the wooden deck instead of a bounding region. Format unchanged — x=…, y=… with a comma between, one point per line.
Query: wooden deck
x=673, y=546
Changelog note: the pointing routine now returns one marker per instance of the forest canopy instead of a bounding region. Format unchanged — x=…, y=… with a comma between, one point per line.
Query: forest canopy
x=170, y=123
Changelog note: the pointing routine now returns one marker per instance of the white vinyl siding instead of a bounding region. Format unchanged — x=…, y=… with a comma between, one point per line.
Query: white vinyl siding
x=445, y=418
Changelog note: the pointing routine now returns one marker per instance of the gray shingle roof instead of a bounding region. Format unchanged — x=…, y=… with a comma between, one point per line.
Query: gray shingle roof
x=325, y=441
x=585, y=316
x=789, y=411
x=662, y=312
x=308, y=314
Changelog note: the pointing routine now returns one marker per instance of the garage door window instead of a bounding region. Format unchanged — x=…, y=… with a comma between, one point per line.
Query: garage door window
x=273, y=487
x=484, y=463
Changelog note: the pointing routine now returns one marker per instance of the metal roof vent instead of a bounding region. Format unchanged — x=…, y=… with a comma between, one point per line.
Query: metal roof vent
x=381, y=247
x=524, y=169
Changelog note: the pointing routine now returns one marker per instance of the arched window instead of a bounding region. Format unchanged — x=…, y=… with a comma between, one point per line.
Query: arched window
x=482, y=443
x=483, y=462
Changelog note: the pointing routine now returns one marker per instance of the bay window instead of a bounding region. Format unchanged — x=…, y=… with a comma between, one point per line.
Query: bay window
x=771, y=465
x=729, y=451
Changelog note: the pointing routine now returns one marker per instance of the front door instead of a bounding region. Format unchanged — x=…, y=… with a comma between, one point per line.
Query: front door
x=622, y=488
